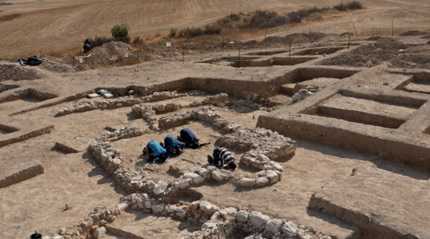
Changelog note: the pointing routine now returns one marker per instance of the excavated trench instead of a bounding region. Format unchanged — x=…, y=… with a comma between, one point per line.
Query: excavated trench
x=275, y=61
x=319, y=51
x=4, y=87
x=318, y=76
x=266, y=53
x=377, y=110
x=420, y=83
x=28, y=95
x=6, y=129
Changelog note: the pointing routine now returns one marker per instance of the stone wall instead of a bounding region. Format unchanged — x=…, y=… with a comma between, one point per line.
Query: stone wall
x=216, y=221
x=103, y=104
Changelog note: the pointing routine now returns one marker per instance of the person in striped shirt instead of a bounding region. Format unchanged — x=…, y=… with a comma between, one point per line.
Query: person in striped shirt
x=222, y=158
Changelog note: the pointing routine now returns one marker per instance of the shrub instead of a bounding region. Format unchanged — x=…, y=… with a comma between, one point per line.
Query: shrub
x=266, y=19
x=172, y=32
x=191, y=32
x=212, y=29
x=120, y=33
x=295, y=17
x=354, y=5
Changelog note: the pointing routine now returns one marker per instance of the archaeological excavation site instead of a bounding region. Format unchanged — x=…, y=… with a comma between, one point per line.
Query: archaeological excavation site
x=308, y=135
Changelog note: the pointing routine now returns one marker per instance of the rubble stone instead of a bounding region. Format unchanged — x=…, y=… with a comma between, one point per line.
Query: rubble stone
x=257, y=220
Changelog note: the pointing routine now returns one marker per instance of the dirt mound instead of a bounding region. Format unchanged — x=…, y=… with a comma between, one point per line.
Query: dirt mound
x=295, y=38
x=215, y=42
x=413, y=33
x=383, y=50
x=56, y=65
x=111, y=53
x=412, y=61
x=15, y=72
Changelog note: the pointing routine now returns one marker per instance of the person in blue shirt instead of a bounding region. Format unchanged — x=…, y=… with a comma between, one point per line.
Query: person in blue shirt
x=173, y=146
x=156, y=152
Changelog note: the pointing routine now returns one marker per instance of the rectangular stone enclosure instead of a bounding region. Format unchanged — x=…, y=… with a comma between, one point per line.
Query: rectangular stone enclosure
x=382, y=123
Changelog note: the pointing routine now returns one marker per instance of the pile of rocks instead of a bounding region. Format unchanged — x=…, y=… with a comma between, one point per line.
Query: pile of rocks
x=197, y=177
x=142, y=201
x=269, y=174
x=301, y=95
x=93, y=226
x=108, y=54
x=260, y=141
x=113, y=134
x=103, y=104
x=15, y=72
x=259, y=148
x=105, y=156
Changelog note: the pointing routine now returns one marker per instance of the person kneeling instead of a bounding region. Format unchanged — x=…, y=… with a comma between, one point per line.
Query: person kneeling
x=222, y=158
x=156, y=152
x=173, y=146
x=190, y=139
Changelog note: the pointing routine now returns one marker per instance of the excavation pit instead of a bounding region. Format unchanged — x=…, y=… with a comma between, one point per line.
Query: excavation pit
x=314, y=77
x=419, y=83
x=275, y=61
x=28, y=95
x=6, y=129
x=267, y=53
x=20, y=172
x=33, y=95
x=363, y=111
x=4, y=87
x=319, y=51
x=228, y=59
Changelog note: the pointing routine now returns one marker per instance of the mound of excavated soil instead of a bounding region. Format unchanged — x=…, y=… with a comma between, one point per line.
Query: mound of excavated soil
x=111, y=53
x=15, y=72
x=56, y=65
x=370, y=55
x=295, y=38
x=412, y=61
x=383, y=50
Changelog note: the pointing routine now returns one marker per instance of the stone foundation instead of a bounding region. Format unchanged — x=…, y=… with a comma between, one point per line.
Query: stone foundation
x=103, y=104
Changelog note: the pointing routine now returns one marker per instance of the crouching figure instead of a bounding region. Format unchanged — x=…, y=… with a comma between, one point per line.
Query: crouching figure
x=222, y=158
x=173, y=146
x=156, y=152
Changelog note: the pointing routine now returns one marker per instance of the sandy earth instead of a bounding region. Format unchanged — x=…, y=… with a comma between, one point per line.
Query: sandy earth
x=58, y=26
x=54, y=26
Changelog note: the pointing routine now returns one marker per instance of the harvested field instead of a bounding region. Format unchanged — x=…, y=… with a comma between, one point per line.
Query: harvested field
x=42, y=34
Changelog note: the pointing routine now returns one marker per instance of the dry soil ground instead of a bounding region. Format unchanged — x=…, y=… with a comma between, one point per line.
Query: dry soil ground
x=369, y=195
